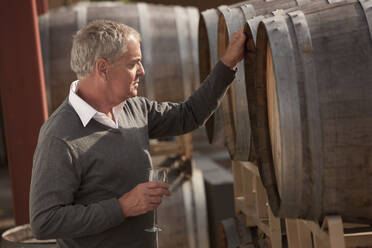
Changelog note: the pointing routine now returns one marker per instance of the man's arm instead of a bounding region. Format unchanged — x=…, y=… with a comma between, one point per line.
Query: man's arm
x=55, y=179
x=169, y=119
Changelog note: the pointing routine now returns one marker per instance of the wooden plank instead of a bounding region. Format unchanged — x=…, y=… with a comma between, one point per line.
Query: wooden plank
x=248, y=181
x=315, y=229
x=330, y=235
x=275, y=231
x=261, y=200
x=297, y=234
x=336, y=231
x=358, y=239
x=292, y=233
x=243, y=191
x=239, y=205
x=238, y=181
x=252, y=167
x=304, y=235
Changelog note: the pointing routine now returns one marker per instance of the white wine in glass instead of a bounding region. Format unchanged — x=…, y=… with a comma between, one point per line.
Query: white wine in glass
x=157, y=175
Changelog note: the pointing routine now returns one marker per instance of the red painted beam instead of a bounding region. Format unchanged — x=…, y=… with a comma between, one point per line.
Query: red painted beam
x=42, y=6
x=22, y=95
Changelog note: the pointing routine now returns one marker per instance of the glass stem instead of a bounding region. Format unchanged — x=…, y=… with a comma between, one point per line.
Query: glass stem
x=155, y=218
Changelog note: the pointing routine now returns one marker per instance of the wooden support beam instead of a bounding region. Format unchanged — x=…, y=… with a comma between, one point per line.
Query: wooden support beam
x=335, y=230
x=22, y=95
x=251, y=200
x=297, y=235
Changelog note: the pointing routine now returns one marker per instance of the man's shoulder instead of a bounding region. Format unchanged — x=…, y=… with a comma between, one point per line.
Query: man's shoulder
x=136, y=104
x=62, y=123
x=138, y=100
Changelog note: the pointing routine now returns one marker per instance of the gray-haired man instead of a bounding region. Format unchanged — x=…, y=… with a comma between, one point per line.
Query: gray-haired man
x=89, y=185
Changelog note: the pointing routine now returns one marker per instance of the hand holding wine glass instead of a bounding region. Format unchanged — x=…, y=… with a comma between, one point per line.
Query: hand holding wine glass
x=157, y=175
x=143, y=198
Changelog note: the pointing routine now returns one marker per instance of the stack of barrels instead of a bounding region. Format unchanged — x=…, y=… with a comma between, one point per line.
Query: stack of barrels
x=169, y=46
x=301, y=104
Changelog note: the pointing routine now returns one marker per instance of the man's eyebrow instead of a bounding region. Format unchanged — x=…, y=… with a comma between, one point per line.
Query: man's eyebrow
x=136, y=59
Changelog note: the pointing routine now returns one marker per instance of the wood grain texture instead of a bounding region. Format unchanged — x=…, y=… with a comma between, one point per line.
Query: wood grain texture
x=273, y=116
x=331, y=53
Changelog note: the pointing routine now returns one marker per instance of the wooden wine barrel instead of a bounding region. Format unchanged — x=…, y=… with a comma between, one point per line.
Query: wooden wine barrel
x=183, y=215
x=169, y=46
x=313, y=88
x=21, y=237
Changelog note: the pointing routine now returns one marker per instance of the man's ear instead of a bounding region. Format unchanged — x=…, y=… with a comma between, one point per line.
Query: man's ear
x=101, y=68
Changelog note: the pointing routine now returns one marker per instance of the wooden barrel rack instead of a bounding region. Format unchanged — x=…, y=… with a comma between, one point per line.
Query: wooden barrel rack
x=251, y=201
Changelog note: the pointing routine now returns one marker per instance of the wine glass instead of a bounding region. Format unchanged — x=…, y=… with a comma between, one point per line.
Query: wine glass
x=157, y=175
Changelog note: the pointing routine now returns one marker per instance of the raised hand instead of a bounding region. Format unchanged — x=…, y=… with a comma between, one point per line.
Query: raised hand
x=235, y=50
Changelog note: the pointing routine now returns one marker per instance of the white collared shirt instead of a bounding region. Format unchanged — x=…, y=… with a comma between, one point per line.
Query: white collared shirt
x=87, y=112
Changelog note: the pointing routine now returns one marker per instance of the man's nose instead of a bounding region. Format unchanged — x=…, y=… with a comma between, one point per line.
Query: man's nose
x=141, y=70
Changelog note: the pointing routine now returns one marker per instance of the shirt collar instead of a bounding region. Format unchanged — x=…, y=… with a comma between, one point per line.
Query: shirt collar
x=82, y=108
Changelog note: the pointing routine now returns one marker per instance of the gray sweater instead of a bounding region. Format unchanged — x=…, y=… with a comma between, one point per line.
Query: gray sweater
x=80, y=172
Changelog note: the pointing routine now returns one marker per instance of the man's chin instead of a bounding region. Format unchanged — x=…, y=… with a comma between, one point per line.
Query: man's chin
x=133, y=94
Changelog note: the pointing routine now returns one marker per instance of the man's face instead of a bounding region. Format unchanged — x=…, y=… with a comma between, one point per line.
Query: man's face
x=123, y=76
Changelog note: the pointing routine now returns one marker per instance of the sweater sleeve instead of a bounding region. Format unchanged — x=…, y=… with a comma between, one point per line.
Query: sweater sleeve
x=53, y=213
x=170, y=119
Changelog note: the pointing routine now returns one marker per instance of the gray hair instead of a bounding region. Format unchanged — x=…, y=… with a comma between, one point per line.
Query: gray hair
x=99, y=39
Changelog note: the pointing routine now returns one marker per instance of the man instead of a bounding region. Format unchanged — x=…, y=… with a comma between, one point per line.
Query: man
x=89, y=186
